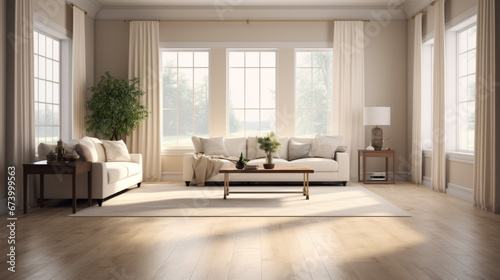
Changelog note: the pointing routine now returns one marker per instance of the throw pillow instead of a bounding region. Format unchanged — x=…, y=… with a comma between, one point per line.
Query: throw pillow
x=83, y=152
x=198, y=147
x=214, y=146
x=236, y=146
x=341, y=149
x=283, y=150
x=87, y=142
x=325, y=146
x=298, y=150
x=69, y=147
x=116, y=151
x=101, y=153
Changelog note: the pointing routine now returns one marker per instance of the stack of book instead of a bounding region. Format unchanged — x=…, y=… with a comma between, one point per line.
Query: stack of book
x=378, y=176
x=251, y=167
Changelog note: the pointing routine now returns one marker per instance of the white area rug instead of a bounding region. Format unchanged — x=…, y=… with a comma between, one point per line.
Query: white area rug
x=167, y=200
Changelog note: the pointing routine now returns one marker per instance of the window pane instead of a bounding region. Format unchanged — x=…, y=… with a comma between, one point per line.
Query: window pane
x=303, y=123
x=35, y=61
x=56, y=114
x=462, y=42
x=201, y=123
x=48, y=92
x=56, y=95
x=169, y=128
x=471, y=57
x=35, y=42
x=252, y=87
x=169, y=88
x=462, y=64
x=303, y=59
x=201, y=59
x=267, y=121
x=268, y=59
x=56, y=66
x=36, y=90
x=49, y=135
x=236, y=123
x=169, y=59
x=252, y=122
x=462, y=126
x=268, y=88
x=41, y=134
x=41, y=44
x=320, y=87
x=56, y=50
x=185, y=127
x=251, y=59
x=462, y=89
x=185, y=59
x=320, y=59
x=320, y=122
x=236, y=59
x=201, y=87
x=37, y=114
x=304, y=86
x=49, y=74
x=471, y=38
x=471, y=87
x=49, y=48
x=470, y=125
x=236, y=88
x=41, y=67
x=185, y=87
x=41, y=91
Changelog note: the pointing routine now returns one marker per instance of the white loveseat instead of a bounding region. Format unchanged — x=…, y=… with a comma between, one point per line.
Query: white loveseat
x=325, y=169
x=108, y=178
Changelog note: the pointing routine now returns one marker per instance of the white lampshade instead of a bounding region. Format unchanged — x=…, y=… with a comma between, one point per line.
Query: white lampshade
x=377, y=116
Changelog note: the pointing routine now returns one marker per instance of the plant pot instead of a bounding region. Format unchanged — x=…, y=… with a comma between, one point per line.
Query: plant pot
x=268, y=165
x=240, y=165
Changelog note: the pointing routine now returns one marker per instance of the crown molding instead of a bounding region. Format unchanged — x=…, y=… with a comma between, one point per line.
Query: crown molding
x=411, y=7
x=90, y=6
x=229, y=12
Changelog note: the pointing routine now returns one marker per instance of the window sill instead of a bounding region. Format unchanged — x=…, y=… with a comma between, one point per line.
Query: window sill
x=454, y=156
x=176, y=151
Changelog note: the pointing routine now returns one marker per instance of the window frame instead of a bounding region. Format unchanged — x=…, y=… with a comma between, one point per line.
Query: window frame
x=312, y=50
x=179, y=149
x=276, y=68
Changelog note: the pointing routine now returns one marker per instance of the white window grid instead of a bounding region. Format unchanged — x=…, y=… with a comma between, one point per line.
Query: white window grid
x=52, y=131
x=260, y=109
x=468, y=50
x=329, y=86
x=193, y=108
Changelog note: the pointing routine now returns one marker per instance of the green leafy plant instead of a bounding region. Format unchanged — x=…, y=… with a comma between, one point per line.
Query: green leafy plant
x=270, y=145
x=241, y=160
x=114, y=107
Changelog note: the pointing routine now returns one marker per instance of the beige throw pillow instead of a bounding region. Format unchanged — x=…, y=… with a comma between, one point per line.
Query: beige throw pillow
x=83, y=152
x=325, y=146
x=214, y=146
x=298, y=150
x=101, y=153
x=116, y=151
x=90, y=145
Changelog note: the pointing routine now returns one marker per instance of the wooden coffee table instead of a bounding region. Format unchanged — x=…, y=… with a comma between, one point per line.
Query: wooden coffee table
x=295, y=169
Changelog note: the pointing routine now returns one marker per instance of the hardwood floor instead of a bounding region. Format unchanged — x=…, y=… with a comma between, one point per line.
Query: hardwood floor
x=446, y=238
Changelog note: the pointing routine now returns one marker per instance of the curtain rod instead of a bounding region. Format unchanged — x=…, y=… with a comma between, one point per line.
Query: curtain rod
x=74, y=5
x=246, y=20
x=422, y=11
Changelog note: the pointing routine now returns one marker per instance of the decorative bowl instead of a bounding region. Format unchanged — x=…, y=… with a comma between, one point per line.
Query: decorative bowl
x=268, y=165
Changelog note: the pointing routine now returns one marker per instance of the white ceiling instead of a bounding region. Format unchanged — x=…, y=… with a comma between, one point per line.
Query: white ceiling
x=249, y=3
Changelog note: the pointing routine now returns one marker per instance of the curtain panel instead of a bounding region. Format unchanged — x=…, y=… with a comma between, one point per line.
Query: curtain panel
x=485, y=196
x=438, y=179
x=79, y=75
x=348, y=87
x=20, y=105
x=144, y=63
x=416, y=148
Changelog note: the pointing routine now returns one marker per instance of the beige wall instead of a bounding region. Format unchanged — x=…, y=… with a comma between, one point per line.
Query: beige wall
x=457, y=173
x=58, y=12
x=385, y=67
x=3, y=95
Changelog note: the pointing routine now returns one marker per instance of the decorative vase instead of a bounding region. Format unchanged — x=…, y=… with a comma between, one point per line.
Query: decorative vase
x=268, y=165
x=239, y=165
x=269, y=161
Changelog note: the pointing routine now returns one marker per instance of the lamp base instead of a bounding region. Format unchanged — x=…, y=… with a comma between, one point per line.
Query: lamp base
x=377, y=140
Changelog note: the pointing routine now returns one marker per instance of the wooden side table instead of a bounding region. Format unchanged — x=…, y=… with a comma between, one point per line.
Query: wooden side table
x=58, y=168
x=364, y=154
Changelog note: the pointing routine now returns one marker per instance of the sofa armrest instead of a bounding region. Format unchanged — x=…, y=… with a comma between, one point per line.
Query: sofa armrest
x=137, y=158
x=99, y=178
x=187, y=167
x=343, y=161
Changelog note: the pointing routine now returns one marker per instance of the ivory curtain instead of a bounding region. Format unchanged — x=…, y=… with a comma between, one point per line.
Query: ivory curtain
x=416, y=166
x=20, y=105
x=79, y=75
x=438, y=103
x=484, y=140
x=348, y=86
x=144, y=63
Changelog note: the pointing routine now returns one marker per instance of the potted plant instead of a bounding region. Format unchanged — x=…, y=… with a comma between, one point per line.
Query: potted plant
x=240, y=164
x=270, y=145
x=114, y=107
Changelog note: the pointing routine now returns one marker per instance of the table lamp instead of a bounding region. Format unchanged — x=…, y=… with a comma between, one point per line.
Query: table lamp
x=377, y=116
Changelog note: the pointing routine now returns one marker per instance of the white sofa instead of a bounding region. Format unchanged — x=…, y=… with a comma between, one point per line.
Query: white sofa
x=108, y=178
x=325, y=169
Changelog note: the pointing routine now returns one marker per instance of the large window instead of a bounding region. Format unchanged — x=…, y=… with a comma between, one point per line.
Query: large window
x=47, y=68
x=185, y=88
x=252, y=93
x=313, y=92
x=466, y=50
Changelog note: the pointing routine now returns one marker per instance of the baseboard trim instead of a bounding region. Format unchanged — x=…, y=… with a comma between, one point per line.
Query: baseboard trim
x=403, y=176
x=171, y=176
x=3, y=206
x=460, y=192
x=426, y=182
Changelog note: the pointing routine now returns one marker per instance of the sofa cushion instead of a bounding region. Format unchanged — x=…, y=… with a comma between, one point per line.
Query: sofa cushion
x=101, y=152
x=120, y=170
x=214, y=146
x=283, y=150
x=198, y=147
x=298, y=150
x=116, y=151
x=83, y=152
x=325, y=146
x=304, y=140
x=236, y=146
x=278, y=162
x=90, y=145
x=317, y=164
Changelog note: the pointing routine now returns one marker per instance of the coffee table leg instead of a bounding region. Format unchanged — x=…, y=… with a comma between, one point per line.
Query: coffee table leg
x=307, y=197
x=304, y=183
x=225, y=184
